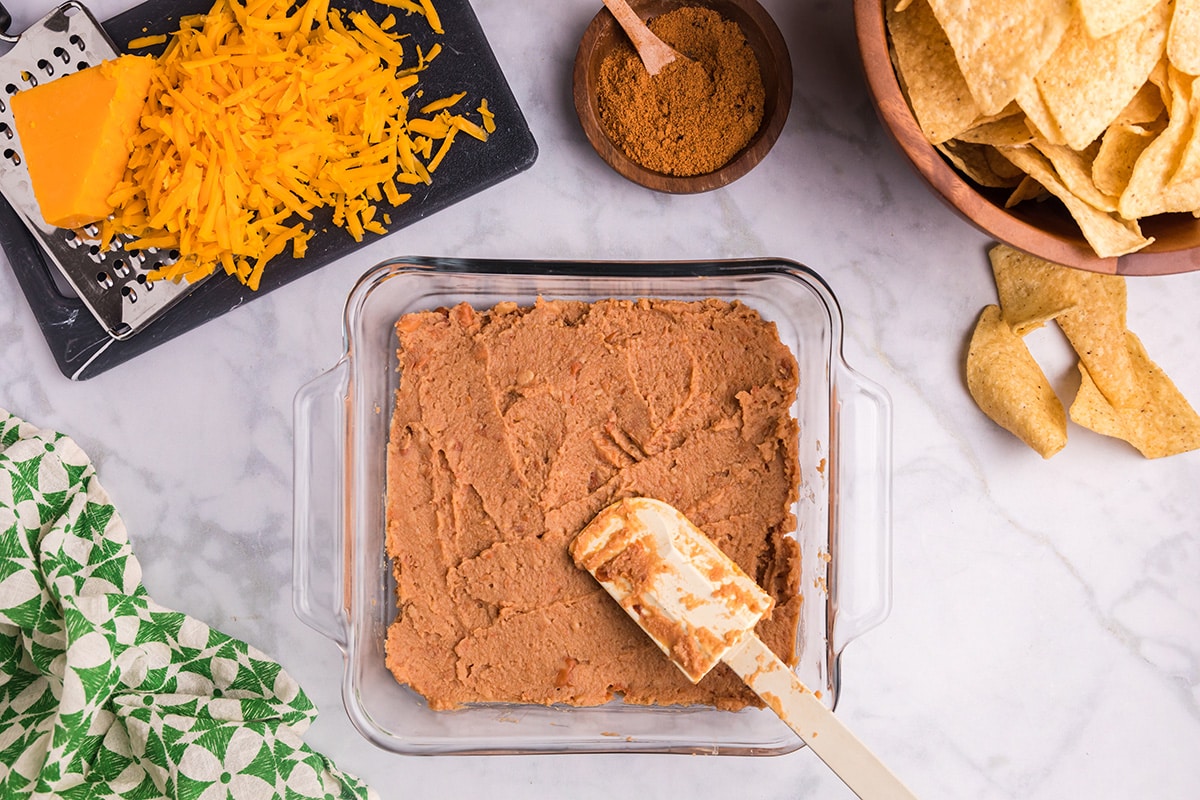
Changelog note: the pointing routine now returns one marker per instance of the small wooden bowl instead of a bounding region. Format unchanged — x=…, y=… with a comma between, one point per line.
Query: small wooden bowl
x=1044, y=229
x=774, y=63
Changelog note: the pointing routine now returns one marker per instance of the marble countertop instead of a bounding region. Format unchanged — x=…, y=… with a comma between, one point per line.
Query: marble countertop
x=1044, y=640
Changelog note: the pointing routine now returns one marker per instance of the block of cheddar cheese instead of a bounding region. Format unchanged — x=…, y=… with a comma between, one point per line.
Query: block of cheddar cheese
x=76, y=134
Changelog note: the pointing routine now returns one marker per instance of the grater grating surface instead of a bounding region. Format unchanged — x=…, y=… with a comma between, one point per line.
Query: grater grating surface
x=113, y=285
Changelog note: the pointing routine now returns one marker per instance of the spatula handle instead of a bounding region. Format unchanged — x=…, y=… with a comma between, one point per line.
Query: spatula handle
x=823, y=732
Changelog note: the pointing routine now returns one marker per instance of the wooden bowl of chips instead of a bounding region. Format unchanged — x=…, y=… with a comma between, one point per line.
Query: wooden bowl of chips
x=1042, y=226
x=604, y=35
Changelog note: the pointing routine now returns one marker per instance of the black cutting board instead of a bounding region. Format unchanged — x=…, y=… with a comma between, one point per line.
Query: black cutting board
x=80, y=345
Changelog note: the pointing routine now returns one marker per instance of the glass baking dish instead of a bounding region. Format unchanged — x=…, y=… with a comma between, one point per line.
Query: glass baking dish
x=343, y=586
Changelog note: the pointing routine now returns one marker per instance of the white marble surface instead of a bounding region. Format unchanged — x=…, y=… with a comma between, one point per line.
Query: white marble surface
x=1045, y=635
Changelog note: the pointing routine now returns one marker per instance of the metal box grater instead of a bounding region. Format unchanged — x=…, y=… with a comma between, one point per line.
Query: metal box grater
x=113, y=285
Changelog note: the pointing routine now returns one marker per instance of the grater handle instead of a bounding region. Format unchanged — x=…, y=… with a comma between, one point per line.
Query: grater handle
x=5, y=21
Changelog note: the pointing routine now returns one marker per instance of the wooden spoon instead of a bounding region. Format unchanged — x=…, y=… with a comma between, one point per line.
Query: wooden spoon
x=700, y=609
x=654, y=52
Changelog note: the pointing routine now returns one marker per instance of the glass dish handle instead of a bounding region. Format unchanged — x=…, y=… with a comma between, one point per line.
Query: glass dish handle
x=318, y=565
x=862, y=517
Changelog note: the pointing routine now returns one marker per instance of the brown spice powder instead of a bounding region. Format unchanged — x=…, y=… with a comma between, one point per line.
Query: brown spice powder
x=696, y=114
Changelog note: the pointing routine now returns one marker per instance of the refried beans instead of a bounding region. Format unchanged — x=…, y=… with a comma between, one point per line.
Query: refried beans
x=514, y=426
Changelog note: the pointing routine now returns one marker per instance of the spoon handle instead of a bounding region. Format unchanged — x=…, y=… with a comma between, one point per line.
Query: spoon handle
x=654, y=52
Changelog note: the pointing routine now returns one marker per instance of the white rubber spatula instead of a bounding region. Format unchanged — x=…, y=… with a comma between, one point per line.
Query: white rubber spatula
x=700, y=608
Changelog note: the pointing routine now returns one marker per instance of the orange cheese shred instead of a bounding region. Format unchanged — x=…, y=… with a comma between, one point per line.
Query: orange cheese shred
x=445, y=102
x=489, y=119
x=262, y=112
x=404, y=5
x=431, y=16
x=147, y=41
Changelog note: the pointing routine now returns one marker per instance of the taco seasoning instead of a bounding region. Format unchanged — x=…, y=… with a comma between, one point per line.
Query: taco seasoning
x=697, y=113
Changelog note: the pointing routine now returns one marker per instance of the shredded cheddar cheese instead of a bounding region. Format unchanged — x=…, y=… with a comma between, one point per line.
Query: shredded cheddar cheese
x=147, y=41
x=263, y=111
x=489, y=119
x=431, y=14
x=445, y=102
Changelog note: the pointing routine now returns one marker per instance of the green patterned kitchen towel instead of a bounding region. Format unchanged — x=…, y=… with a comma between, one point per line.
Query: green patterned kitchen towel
x=104, y=693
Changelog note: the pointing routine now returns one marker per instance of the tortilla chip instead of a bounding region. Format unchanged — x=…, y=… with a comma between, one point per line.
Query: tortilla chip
x=1188, y=169
x=1009, y=386
x=1160, y=77
x=1119, y=151
x=1087, y=81
x=1002, y=167
x=1150, y=190
x=1074, y=168
x=978, y=163
x=1104, y=17
x=1146, y=106
x=1037, y=114
x=1027, y=189
x=1183, y=41
x=1010, y=110
x=1108, y=233
x=1010, y=131
x=937, y=92
x=999, y=43
x=1162, y=423
x=1032, y=291
x=1099, y=339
